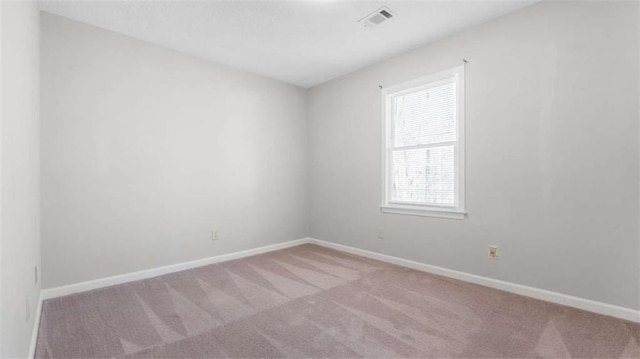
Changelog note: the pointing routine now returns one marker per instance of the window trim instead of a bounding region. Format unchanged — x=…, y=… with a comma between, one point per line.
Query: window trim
x=457, y=211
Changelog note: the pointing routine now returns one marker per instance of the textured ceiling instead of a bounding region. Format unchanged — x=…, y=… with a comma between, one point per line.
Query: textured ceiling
x=300, y=42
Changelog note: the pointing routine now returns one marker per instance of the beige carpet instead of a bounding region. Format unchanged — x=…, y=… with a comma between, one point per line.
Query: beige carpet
x=310, y=301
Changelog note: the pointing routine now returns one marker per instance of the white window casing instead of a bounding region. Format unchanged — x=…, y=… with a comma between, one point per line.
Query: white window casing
x=423, y=146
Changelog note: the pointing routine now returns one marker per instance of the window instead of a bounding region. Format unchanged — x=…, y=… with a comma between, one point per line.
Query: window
x=424, y=146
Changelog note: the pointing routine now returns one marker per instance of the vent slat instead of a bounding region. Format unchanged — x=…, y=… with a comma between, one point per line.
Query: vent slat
x=386, y=14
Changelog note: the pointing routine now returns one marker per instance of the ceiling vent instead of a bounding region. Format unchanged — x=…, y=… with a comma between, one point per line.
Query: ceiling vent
x=377, y=17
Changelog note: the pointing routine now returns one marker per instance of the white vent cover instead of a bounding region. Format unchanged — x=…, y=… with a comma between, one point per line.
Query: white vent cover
x=377, y=17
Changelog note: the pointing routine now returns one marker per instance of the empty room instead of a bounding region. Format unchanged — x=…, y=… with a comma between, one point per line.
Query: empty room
x=319, y=179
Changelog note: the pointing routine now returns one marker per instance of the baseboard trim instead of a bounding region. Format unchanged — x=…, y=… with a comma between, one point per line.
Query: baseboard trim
x=154, y=272
x=36, y=327
x=542, y=294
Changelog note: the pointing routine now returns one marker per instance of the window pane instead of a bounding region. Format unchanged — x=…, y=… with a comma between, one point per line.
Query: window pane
x=424, y=175
x=425, y=117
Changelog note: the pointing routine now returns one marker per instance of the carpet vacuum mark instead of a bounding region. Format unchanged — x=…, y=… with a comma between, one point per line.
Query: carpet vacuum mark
x=310, y=301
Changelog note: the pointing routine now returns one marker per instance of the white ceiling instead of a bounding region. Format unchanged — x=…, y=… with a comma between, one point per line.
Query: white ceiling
x=303, y=43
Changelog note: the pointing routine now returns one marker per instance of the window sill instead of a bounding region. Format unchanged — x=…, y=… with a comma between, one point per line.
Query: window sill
x=424, y=212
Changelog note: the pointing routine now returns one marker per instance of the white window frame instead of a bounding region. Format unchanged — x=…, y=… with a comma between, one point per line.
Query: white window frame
x=457, y=211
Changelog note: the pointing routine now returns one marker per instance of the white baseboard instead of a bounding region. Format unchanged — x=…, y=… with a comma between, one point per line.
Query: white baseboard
x=36, y=327
x=154, y=272
x=546, y=295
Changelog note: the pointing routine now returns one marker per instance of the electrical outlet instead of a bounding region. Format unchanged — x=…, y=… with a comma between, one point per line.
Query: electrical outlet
x=214, y=235
x=493, y=252
x=380, y=233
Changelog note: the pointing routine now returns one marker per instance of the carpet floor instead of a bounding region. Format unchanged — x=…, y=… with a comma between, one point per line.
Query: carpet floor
x=313, y=302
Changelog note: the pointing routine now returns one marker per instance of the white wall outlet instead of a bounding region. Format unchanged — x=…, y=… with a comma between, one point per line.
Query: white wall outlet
x=493, y=252
x=214, y=235
x=380, y=233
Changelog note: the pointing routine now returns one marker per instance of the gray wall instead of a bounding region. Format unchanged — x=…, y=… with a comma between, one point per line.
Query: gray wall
x=145, y=151
x=19, y=175
x=552, y=153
